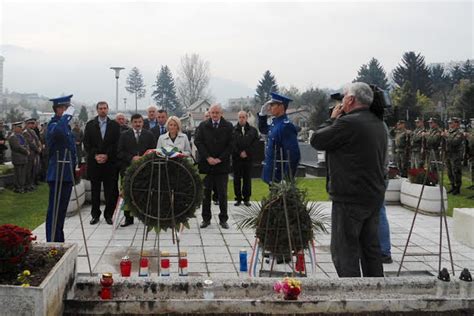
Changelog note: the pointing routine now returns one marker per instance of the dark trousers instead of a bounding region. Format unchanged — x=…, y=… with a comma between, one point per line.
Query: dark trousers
x=354, y=238
x=20, y=176
x=30, y=166
x=65, y=191
x=2, y=156
x=110, y=181
x=242, y=179
x=454, y=166
x=220, y=183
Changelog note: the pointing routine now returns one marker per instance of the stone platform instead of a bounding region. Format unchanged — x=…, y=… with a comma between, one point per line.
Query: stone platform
x=214, y=252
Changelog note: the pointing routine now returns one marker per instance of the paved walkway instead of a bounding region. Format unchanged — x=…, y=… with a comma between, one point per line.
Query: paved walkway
x=214, y=251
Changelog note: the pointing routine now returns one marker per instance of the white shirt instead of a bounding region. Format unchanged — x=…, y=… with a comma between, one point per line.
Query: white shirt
x=181, y=142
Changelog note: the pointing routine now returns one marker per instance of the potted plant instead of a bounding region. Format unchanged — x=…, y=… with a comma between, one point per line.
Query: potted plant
x=33, y=277
x=411, y=190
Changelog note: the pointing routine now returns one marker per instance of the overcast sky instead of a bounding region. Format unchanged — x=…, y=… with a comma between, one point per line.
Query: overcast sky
x=54, y=47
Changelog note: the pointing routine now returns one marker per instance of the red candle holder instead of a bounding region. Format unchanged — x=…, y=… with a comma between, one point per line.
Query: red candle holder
x=106, y=281
x=126, y=266
x=299, y=262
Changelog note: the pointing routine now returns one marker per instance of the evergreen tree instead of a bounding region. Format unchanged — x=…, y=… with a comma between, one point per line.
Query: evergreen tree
x=34, y=114
x=165, y=91
x=463, y=99
x=468, y=71
x=265, y=86
x=456, y=74
x=135, y=85
x=83, y=117
x=373, y=73
x=414, y=71
x=441, y=83
x=317, y=102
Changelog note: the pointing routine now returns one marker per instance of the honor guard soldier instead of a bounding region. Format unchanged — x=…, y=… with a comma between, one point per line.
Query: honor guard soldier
x=402, y=147
x=418, y=144
x=61, y=164
x=281, y=138
x=454, y=147
x=433, y=142
x=35, y=152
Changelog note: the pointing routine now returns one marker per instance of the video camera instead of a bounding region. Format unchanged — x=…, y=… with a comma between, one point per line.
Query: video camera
x=380, y=103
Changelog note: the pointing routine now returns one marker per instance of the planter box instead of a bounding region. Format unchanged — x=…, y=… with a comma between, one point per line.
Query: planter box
x=72, y=208
x=392, y=194
x=463, y=225
x=430, y=202
x=46, y=299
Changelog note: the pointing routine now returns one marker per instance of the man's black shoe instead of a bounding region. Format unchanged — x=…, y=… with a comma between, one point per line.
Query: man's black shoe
x=204, y=224
x=127, y=223
x=387, y=259
x=94, y=220
x=451, y=190
x=237, y=203
x=109, y=221
x=224, y=225
x=247, y=203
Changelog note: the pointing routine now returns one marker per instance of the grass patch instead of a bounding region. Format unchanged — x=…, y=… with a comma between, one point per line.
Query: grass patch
x=460, y=200
x=25, y=210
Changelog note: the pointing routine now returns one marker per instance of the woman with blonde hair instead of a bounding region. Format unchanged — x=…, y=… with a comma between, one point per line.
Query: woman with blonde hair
x=174, y=137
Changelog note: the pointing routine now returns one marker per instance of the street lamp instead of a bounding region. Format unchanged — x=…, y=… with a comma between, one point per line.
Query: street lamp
x=117, y=73
x=125, y=103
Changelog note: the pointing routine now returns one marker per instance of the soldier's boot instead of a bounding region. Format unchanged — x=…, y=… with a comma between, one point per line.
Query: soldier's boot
x=453, y=188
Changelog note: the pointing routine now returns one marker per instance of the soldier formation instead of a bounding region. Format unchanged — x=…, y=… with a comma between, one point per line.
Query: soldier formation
x=417, y=148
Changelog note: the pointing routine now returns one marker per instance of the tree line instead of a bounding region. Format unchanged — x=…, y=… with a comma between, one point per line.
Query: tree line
x=416, y=89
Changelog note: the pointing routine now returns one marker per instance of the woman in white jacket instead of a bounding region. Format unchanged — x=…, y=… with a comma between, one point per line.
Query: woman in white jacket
x=174, y=137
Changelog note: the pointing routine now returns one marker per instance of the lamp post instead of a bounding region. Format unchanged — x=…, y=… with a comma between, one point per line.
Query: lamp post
x=117, y=73
x=125, y=103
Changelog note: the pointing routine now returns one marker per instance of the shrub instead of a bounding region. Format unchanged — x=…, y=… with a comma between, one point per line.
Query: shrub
x=15, y=242
x=418, y=175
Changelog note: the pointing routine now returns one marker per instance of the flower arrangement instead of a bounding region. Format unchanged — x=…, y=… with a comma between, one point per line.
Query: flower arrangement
x=289, y=287
x=15, y=242
x=23, y=278
x=418, y=175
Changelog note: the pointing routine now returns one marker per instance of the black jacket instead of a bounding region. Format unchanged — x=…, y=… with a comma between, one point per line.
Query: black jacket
x=356, y=147
x=94, y=144
x=156, y=131
x=128, y=146
x=245, y=142
x=214, y=142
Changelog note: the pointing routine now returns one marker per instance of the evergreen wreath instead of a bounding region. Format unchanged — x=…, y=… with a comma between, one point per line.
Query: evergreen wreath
x=177, y=175
x=268, y=219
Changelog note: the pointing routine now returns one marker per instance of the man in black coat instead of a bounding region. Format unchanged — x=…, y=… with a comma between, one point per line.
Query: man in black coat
x=355, y=141
x=132, y=145
x=245, y=138
x=101, y=138
x=214, y=143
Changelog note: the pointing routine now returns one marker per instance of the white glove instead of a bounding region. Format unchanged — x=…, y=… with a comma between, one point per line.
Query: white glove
x=264, y=111
x=70, y=110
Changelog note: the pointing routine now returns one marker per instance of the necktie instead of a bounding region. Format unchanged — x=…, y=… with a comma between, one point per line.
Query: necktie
x=216, y=124
x=137, y=135
x=162, y=130
x=243, y=130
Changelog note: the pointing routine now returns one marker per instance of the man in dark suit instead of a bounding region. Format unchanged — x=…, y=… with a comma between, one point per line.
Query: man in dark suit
x=245, y=139
x=132, y=145
x=101, y=138
x=160, y=128
x=214, y=143
x=151, y=121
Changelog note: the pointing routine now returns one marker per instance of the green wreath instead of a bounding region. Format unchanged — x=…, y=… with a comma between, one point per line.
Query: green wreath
x=162, y=192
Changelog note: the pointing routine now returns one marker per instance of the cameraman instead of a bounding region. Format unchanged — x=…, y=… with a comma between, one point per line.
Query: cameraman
x=355, y=141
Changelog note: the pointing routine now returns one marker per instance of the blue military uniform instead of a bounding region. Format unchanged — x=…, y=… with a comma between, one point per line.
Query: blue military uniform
x=59, y=138
x=281, y=135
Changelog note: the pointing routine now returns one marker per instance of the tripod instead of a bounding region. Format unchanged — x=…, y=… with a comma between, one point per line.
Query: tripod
x=439, y=164
x=58, y=185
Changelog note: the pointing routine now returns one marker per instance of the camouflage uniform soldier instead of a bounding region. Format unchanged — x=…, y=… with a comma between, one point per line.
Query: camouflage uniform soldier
x=402, y=144
x=433, y=141
x=470, y=143
x=417, y=144
x=454, y=146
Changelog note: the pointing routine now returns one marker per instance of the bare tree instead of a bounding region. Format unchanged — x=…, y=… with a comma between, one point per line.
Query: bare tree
x=193, y=79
